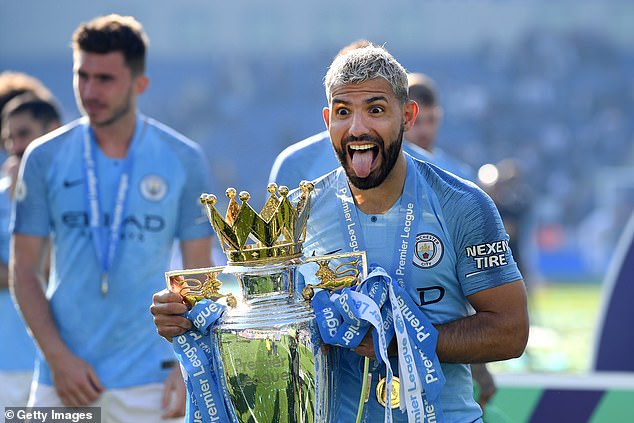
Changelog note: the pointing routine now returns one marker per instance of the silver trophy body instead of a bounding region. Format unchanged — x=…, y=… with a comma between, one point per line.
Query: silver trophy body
x=274, y=368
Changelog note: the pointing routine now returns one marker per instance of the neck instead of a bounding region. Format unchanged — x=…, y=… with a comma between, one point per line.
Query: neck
x=115, y=139
x=380, y=199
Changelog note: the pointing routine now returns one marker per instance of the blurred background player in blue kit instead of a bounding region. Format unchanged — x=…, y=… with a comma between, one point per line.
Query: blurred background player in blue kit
x=113, y=190
x=12, y=84
x=422, y=89
x=24, y=118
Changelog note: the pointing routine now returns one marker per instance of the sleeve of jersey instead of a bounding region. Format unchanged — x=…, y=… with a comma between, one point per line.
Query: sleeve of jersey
x=31, y=213
x=193, y=223
x=484, y=259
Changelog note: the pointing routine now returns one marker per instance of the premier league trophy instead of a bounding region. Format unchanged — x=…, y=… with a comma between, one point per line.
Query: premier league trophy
x=264, y=355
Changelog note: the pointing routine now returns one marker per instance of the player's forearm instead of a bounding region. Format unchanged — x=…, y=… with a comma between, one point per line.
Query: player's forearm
x=36, y=312
x=482, y=338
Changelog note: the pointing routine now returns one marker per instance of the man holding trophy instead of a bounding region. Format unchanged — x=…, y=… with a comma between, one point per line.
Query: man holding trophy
x=441, y=248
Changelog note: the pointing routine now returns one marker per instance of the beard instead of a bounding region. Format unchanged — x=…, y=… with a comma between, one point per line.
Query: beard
x=389, y=157
x=117, y=114
x=119, y=111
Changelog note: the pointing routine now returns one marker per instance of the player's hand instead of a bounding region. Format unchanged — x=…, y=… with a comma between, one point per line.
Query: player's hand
x=174, y=395
x=76, y=382
x=167, y=308
x=484, y=379
x=366, y=346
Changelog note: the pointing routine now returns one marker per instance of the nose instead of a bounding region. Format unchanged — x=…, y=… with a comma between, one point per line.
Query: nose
x=358, y=125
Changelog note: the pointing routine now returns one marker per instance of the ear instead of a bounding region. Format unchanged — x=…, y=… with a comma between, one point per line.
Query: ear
x=326, y=114
x=410, y=111
x=141, y=83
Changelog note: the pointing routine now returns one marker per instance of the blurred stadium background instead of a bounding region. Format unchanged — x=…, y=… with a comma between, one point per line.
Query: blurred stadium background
x=550, y=84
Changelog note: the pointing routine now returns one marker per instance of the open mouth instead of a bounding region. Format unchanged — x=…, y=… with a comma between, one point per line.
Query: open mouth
x=362, y=158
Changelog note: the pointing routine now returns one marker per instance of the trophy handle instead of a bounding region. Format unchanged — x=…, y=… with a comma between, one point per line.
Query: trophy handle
x=346, y=274
x=192, y=289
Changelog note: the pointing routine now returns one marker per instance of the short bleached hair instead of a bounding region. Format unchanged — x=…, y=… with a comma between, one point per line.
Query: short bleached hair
x=365, y=64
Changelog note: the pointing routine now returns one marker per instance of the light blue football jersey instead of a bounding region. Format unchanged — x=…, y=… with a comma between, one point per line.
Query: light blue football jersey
x=460, y=248
x=115, y=332
x=314, y=157
x=17, y=350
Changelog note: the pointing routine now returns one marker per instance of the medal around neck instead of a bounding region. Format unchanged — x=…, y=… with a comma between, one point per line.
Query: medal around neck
x=264, y=350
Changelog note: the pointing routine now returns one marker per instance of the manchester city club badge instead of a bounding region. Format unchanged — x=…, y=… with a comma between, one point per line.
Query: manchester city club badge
x=429, y=250
x=153, y=187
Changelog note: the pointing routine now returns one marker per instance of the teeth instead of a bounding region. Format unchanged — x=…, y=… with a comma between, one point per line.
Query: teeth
x=361, y=147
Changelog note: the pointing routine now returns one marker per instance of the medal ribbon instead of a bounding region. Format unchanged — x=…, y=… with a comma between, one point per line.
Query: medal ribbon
x=106, y=244
x=421, y=375
x=197, y=351
x=343, y=320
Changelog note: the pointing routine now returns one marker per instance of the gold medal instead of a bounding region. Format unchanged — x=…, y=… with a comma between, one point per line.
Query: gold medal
x=381, y=391
x=104, y=284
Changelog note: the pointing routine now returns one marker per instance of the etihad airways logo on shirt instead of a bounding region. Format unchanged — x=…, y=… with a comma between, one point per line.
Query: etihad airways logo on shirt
x=132, y=226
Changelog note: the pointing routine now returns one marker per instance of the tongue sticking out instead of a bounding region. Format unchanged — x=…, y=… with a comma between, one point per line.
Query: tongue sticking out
x=362, y=162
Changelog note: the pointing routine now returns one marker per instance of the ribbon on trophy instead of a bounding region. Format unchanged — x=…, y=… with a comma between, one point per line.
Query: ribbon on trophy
x=343, y=320
x=198, y=354
x=380, y=302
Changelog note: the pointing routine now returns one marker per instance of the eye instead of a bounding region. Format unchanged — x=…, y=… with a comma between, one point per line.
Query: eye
x=342, y=111
x=376, y=109
x=22, y=133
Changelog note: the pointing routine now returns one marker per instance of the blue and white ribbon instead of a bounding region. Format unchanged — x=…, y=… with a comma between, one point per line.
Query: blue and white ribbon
x=198, y=354
x=344, y=319
x=379, y=302
x=422, y=378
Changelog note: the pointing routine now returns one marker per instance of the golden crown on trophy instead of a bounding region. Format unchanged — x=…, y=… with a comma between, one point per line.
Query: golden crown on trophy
x=275, y=234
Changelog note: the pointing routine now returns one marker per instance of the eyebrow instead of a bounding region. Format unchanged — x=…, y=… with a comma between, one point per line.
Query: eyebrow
x=377, y=98
x=337, y=101
x=82, y=72
x=368, y=101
